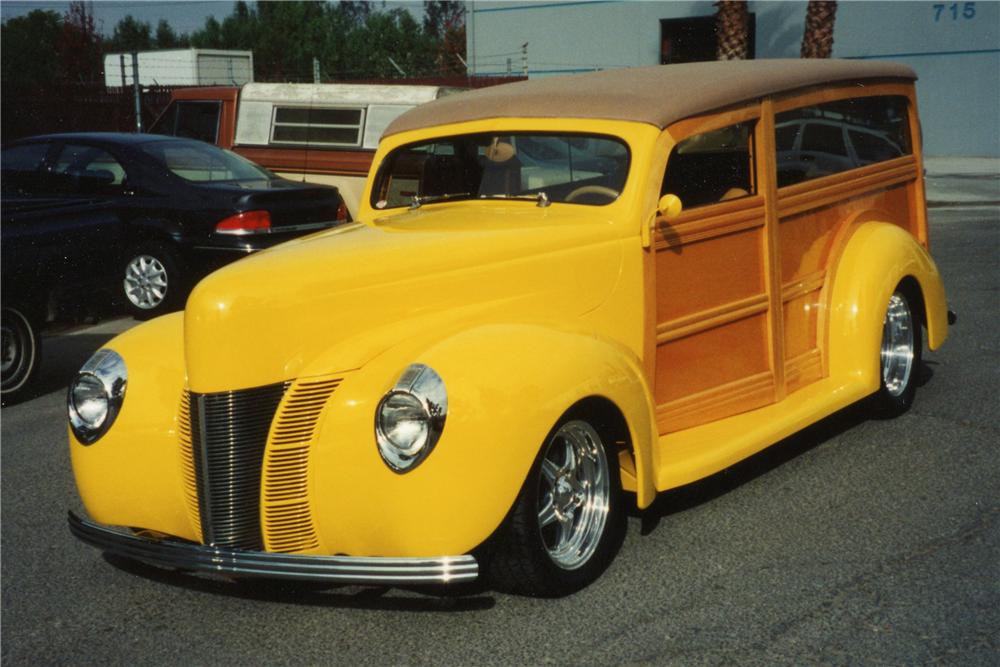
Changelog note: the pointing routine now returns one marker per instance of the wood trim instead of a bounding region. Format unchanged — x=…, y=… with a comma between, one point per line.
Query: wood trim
x=728, y=399
x=741, y=113
x=823, y=94
x=710, y=318
x=804, y=369
x=808, y=283
x=851, y=184
x=708, y=222
x=767, y=170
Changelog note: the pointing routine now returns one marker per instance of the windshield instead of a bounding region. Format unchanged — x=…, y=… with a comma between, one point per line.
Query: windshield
x=199, y=162
x=573, y=168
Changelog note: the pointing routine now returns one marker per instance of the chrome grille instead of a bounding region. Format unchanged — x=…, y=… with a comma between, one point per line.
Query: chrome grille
x=229, y=434
x=288, y=524
x=187, y=462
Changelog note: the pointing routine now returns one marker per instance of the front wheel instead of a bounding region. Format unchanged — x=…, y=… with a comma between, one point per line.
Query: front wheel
x=22, y=351
x=900, y=356
x=567, y=521
x=151, y=281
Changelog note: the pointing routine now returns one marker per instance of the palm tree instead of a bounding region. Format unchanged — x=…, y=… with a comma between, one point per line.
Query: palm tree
x=731, y=27
x=817, y=40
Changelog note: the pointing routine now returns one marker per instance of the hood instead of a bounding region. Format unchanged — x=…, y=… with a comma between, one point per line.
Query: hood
x=266, y=318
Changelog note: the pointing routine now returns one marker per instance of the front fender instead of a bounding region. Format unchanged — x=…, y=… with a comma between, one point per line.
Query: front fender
x=876, y=257
x=507, y=387
x=133, y=475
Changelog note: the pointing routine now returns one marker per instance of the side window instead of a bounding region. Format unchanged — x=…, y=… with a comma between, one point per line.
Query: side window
x=839, y=136
x=21, y=166
x=191, y=119
x=88, y=170
x=198, y=120
x=27, y=157
x=317, y=127
x=712, y=167
x=824, y=138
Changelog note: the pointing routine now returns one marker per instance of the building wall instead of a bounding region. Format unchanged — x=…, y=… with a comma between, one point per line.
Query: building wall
x=953, y=47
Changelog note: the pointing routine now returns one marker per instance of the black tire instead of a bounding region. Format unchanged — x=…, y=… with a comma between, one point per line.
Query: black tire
x=152, y=283
x=523, y=556
x=22, y=353
x=900, y=354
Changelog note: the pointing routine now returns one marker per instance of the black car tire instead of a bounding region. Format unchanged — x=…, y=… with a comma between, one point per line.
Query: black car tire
x=151, y=281
x=526, y=557
x=900, y=355
x=22, y=353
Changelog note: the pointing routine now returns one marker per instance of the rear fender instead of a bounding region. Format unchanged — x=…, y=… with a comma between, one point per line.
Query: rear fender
x=876, y=258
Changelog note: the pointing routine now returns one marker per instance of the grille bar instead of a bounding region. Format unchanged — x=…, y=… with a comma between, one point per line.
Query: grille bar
x=229, y=433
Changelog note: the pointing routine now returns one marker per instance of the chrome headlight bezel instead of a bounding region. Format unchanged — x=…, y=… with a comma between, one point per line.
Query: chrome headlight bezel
x=421, y=393
x=105, y=374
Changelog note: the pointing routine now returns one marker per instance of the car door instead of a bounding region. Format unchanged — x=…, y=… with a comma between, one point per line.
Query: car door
x=80, y=237
x=714, y=311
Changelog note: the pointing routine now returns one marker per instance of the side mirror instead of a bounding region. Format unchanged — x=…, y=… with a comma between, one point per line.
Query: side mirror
x=669, y=206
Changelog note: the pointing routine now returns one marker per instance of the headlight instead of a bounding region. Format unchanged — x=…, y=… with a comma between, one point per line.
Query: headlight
x=410, y=417
x=96, y=395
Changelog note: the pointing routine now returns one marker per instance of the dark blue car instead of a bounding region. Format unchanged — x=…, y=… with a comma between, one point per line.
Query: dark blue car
x=133, y=219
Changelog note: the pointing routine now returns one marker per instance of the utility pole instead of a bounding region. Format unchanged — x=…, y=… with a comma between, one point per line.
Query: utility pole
x=315, y=69
x=138, y=93
x=524, y=59
x=121, y=61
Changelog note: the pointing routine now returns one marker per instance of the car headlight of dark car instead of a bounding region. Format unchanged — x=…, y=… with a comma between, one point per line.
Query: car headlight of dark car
x=96, y=395
x=410, y=417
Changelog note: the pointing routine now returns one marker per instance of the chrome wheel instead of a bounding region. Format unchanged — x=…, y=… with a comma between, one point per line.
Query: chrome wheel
x=145, y=282
x=574, y=494
x=897, y=346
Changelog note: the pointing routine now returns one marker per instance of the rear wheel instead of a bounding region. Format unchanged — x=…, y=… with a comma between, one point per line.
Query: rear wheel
x=151, y=283
x=900, y=355
x=21, y=353
x=567, y=521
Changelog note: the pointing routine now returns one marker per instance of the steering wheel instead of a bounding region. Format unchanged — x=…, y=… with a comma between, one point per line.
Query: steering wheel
x=591, y=190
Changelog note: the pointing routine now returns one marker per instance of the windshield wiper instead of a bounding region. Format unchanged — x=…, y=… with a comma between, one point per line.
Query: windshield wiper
x=541, y=198
x=419, y=201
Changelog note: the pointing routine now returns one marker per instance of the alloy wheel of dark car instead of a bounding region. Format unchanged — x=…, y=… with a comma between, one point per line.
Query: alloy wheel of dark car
x=151, y=281
x=21, y=351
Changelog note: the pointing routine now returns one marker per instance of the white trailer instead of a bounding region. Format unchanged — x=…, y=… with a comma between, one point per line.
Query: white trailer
x=180, y=67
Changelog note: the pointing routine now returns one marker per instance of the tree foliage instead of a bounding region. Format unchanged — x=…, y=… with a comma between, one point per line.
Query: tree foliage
x=350, y=40
x=131, y=35
x=27, y=53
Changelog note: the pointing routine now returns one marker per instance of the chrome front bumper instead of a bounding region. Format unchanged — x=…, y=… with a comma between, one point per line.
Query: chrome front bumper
x=335, y=569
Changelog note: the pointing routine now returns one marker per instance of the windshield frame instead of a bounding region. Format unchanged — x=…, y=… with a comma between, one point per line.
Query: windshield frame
x=529, y=195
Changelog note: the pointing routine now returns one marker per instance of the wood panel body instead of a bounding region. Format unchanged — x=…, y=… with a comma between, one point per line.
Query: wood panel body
x=742, y=286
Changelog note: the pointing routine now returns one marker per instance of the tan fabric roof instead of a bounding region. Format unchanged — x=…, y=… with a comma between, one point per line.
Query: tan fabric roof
x=657, y=95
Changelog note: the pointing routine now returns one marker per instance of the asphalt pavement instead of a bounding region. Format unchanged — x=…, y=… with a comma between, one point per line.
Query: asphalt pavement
x=857, y=542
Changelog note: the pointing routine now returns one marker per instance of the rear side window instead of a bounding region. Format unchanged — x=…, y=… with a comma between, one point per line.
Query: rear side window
x=316, y=126
x=80, y=169
x=712, y=166
x=825, y=139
